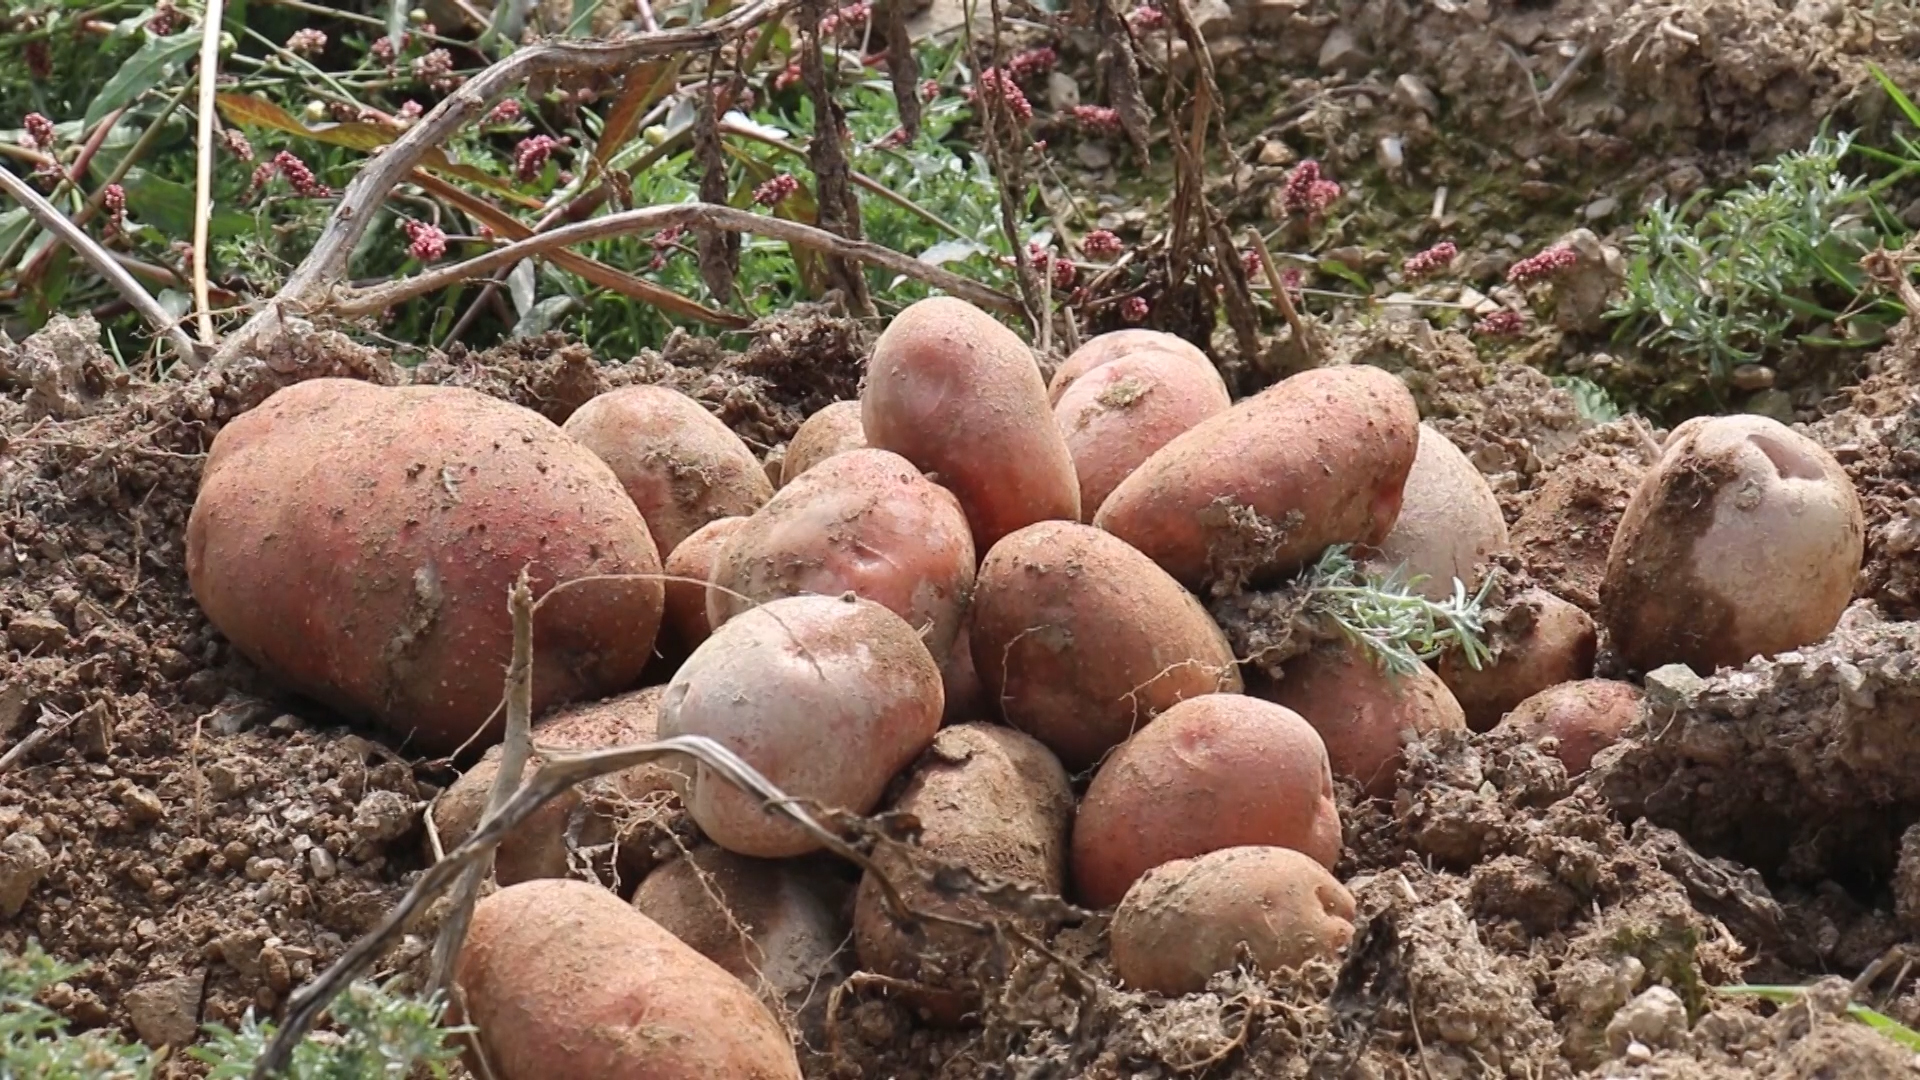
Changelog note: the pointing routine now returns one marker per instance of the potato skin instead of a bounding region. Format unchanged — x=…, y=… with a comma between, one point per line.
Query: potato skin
x=987, y=798
x=357, y=543
x=1081, y=640
x=1115, y=416
x=828, y=697
x=679, y=464
x=694, y=559
x=1213, y=772
x=959, y=396
x=1363, y=714
x=1583, y=718
x=1105, y=348
x=833, y=430
x=1449, y=522
x=563, y=979
x=1545, y=642
x=1322, y=457
x=1186, y=921
x=865, y=522
x=1744, y=540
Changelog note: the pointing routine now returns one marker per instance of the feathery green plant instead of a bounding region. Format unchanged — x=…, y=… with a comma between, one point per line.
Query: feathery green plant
x=1385, y=618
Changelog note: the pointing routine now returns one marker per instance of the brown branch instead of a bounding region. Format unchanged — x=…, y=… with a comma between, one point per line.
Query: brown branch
x=210, y=32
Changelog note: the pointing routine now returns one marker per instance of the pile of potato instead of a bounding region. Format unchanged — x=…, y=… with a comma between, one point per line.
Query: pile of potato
x=974, y=598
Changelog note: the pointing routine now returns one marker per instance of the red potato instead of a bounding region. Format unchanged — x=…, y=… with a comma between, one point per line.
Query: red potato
x=1583, y=718
x=1543, y=641
x=833, y=430
x=1363, y=714
x=1449, y=522
x=562, y=979
x=1115, y=416
x=1081, y=640
x=1314, y=460
x=1213, y=772
x=1189, y=920
x=693, y=561
x=357, y=542
x=1106, y=348
x=680, y=465
x=828, y=697
x=966, y=697
x=959, y=396
x=864, y=522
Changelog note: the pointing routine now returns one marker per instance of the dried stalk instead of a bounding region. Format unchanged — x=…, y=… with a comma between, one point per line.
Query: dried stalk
x=203, y=166
x=1283, y=301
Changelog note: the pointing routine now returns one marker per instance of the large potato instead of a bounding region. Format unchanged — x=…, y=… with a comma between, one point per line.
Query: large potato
x=562, y=979
x=833, y=430
x=1363, y=713
x=1188, y=920
x=1099, y=351
x=1583, y=718
x=828, y=697
x=1317, y=459
x=865, y=522
x=691, y=564
x=1449, y=523
x=1115, y=416
x=1543, y=641
x=357, y=543
x=1082, y=640
x=988, y=799
x=1213, y=772
x=1743, y=541
x=959, y=396
x=680, y=465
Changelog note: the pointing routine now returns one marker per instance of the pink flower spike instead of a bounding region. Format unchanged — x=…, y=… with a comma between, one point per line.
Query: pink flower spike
x=1545, y=264
x=1134, y=309
x=1430, y=262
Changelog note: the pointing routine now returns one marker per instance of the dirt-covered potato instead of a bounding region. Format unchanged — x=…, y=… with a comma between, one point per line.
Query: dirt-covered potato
x=1542, y=641
x=357, y=542
x=1098, y=351
x=1188, y=920
x=564, y=979
x=693, y=561
x=828, y=697
x=1363, y=714
x=1583, y=718
x=1217, y=771
x=680, y=465
x=966, y=697
x=833, y=430
x=1743, y=541
x=960, y=396
x=866, y=522
x=1253, y=492
x=1449, y=523
x=1115, y=416
x=989, y=799
x=1081, y=640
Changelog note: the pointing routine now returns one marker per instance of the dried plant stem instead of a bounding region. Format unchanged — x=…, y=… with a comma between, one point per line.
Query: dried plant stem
x=1283, y=301
x=203, y=166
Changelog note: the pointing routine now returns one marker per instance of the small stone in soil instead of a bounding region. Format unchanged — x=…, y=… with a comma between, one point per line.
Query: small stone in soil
x=24, y=863
x=166, y=1013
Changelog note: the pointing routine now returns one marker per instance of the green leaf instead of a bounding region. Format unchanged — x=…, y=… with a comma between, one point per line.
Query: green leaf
x=13, y=225
x=154, y=62
x=168, y=206
x=1348, y=274
x=1899, y=96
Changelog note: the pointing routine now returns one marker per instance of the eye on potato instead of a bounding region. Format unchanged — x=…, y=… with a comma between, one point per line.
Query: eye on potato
x=373, y=576
x=833, y=430
x=1115, y=416
x=693, y=560
x=1583, y=718
x=1449, y=522
x=1098, y=351
x=1544, y=641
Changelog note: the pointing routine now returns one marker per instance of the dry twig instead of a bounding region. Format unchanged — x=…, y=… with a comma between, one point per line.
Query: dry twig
x=203, y=165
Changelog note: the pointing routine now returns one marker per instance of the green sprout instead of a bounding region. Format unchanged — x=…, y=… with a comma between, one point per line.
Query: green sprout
x=1873, y=1018
x=1383, y=616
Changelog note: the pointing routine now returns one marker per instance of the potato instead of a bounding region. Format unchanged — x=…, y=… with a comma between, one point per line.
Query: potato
x=864, y=522
x=680, y=465
x=959, y=396
x=1363, y=714
x=357, y=542
x=988, y=799
x=1213, y=772
x=563, y=979
x=828, y=697
x=538, y=846
x=1117, y=415
x=1743, y=541
x=833, y=430
x=1081, y=641
x=1187, y=921
x=1317, y=459
x=1449, y=523
x=960, y=681
x=1583, y=718
x=693, y=560
x=1098, y=351
x=1544, y=641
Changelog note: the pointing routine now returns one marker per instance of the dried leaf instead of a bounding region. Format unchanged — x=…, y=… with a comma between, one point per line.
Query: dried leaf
x=904, y=68
x=719, y=252
x=644, y=86
x=1121, y=70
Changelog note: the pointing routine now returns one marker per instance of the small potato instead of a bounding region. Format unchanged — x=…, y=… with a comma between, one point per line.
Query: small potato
x=1743, y=541
x=1106, y=348
x=828, y=697
x=1364, y=714
x=833, y=430
x=1252, y=493
x=959, y=396
x=966, y=697
x=1117, y=415
x=865, y=522
x=562, y=979
x=1187, y=921
x=1543, y=642
x=1216, y=771
x=1081, y=640
x=988, y=799
x=680, y=465
x=1449, y=523
x=693, y=560
x=1582, y=717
